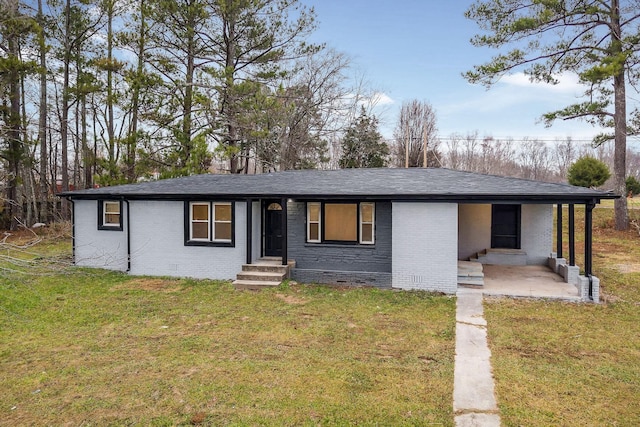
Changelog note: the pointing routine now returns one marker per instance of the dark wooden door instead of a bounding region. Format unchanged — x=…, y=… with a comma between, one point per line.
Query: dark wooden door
x=272, y=228
x=505, y=226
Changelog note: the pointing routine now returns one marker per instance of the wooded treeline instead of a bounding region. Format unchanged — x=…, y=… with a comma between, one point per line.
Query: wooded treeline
x=527, y=158
x=101, y=92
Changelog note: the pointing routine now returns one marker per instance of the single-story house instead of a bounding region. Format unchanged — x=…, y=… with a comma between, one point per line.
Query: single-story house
x=391, y=228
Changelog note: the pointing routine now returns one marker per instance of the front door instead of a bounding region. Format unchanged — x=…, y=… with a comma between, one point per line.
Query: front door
x=272, y=228
x=505, y=226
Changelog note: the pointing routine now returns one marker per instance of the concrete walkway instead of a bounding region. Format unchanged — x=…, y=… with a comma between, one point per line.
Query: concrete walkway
x=474, y=401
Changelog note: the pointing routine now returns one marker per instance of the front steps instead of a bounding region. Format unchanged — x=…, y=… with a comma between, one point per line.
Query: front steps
x=470, y=274
x=501, y=257
x=263, y=272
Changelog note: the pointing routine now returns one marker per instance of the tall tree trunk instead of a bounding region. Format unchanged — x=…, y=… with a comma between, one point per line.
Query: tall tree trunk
x=86, y=153
x=187, y=107
x=228, y=102
x=110, y=96
x=620, y=124
x=64, y=124
x=135, y=99
x=13, y=124
x=42, y=120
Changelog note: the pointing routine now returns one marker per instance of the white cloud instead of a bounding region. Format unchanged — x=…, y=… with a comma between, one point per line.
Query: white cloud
x=568, y=83
x=376, y=99
x=380, y=99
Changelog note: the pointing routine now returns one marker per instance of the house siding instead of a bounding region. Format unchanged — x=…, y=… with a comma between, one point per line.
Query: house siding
x=98, y=248
x=537, y=233
x=425, y=246
x=340, y=264
x=474, y=229
x=158, y=249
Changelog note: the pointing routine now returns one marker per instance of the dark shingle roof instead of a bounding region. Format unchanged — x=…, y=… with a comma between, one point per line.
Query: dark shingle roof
x=434, y=184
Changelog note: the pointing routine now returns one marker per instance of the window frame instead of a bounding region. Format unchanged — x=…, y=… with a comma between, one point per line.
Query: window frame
x=102, y=213
x=322, y=225
x=211, y=240
x=319, y=222
x=361, y=222
x=199, y=221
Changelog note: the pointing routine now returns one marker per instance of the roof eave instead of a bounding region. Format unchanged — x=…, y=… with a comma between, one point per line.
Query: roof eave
x=443, y=198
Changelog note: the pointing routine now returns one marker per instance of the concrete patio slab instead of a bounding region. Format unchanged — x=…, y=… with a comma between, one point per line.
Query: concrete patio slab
x=527, y=281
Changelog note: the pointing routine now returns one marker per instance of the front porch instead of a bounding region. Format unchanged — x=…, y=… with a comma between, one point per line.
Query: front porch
x=517, y=281
x=527, y=281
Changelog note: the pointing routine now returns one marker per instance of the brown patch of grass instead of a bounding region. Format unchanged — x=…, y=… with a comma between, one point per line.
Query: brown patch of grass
x=291, y=299
x=150, y=284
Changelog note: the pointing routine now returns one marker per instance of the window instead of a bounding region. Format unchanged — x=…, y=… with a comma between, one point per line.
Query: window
x=349, y=223
x=313, y=222
x=367, y=213
x=341, y=222
x=200, y=221
x=222, y=222
x=110, y=215
x=209, y=223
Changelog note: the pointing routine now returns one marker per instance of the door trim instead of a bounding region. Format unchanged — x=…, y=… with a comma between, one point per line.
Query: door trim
x=265, y=234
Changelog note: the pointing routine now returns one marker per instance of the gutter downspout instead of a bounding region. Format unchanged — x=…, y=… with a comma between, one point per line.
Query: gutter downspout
x=73, y=229
x=128, y=236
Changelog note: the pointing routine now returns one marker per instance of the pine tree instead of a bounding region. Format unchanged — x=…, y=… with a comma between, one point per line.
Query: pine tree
x=362, y=144
x=596, y=39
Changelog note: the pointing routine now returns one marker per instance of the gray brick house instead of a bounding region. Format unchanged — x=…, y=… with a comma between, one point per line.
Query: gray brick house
x=391, y=228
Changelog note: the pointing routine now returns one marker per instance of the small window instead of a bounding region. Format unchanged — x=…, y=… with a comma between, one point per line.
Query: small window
x=222, y=222
x=200, y=220
x=313, y=222
x=367, y=214
x=110, y=215
x=209, y=224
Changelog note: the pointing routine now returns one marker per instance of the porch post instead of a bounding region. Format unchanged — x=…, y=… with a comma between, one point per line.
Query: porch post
x=285, y=257
x=249, y=230
x=588, y=238
x=572, y=236
x=559, y=231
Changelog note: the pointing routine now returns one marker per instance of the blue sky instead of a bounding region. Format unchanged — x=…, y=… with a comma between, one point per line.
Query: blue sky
x=418, y=49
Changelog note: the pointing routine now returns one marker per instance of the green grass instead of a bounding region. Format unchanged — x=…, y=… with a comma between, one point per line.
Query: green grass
x=87, y=347
x=566, y=364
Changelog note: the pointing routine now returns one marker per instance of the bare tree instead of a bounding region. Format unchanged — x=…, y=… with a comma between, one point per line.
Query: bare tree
x=415, y=132
x=564, y=153
x=534, y=160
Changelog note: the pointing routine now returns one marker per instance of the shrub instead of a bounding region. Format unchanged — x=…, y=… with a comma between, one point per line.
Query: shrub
x=588, y=172
x=633, y=185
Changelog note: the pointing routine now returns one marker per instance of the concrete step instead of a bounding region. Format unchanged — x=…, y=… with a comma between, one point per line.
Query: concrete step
x=261, y=276
x=266, y=271
x=470, y=283
x=469, y=269
x=253, y=285
x=265, y=268
x=501, y=257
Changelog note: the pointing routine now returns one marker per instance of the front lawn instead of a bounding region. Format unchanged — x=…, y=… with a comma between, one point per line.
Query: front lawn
x=88, y=347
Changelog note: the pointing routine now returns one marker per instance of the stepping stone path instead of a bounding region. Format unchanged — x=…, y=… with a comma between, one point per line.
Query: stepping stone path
x=474, y=401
